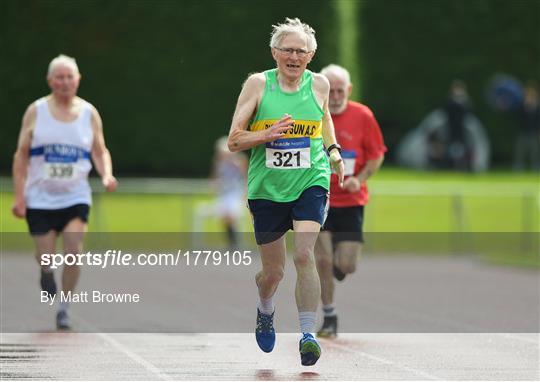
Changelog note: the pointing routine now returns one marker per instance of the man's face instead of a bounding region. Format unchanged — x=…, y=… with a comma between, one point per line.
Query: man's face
x=340, y=90
x=292, y=55
x=64, y=81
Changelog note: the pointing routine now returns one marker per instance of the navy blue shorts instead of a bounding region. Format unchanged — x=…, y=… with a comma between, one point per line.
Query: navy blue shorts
x=42, y=221
x=345, y=224
x=271, y=220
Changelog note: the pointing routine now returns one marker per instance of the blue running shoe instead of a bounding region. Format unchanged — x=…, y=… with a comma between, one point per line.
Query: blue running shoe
x=264, y=332
x=310, y=351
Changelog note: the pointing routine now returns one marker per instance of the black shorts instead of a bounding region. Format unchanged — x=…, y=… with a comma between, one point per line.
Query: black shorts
x=42, y=221
x=271, y=220
x=345, y=223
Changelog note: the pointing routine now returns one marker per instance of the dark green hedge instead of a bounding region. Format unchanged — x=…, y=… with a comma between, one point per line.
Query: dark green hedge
x=411, y=50
x=165, y=75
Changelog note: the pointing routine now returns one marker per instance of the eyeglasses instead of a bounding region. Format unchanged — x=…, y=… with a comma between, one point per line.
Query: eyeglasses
x=301, y=53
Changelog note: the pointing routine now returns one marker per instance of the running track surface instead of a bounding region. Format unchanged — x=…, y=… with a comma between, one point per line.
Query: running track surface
x=466, y=351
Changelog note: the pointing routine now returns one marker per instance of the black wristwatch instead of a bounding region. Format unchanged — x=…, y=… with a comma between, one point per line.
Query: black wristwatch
x=332, y=147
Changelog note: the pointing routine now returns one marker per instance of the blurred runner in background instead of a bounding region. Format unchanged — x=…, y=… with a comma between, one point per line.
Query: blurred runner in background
x=59, y=134
x=229, y=177
x=528, y=139
x=340, y=241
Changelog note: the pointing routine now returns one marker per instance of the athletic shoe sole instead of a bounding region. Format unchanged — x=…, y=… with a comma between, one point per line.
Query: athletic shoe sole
x=310, y=353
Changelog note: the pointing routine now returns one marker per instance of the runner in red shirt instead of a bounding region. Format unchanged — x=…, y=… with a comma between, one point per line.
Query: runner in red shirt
x=340, y=241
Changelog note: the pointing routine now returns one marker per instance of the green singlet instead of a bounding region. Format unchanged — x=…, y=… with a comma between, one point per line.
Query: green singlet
x=281, y=170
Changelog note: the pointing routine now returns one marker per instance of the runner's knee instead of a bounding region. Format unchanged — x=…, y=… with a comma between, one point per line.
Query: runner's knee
x=304, y=257
x=273, y=275
x=324, y=263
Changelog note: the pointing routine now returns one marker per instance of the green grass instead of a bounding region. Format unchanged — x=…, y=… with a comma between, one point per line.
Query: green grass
x=516, y=178
x=401, y=202
x=385, y=213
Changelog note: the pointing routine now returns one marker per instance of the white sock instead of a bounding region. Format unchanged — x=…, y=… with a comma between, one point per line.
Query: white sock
x=307, y=321
x=329, y=310
x=63, y=306
x=266, y=305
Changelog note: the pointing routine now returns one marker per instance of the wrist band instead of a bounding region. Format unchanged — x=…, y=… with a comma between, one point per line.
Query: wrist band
x=332, y=147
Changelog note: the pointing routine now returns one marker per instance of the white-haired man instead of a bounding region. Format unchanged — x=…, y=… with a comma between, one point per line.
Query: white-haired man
x=59, y=134
x=282, y=115
x=340, y=241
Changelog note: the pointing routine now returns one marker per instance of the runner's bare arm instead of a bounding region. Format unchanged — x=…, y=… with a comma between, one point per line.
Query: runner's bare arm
x=354, y=183
x=371, y=167
x=21, y=160
x=240, y=138
x=101, y=155
x=322, y=87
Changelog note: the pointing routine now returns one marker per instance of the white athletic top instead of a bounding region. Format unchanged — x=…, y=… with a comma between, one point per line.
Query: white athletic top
x=59, y=160
x=230, y=178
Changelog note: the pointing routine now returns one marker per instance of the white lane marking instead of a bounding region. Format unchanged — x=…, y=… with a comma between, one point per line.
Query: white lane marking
x=123, y=349
x=384, y=361
x=135, y=357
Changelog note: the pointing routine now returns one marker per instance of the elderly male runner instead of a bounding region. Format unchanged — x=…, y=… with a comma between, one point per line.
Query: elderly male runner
x=282, y=115
x=340, y=240
x=50, y=172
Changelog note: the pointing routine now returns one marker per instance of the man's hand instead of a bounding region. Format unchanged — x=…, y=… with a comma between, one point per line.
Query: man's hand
x=278, y=129
x=352, y=184
x=19, y=208
x=337, y=165
x=109, y=182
